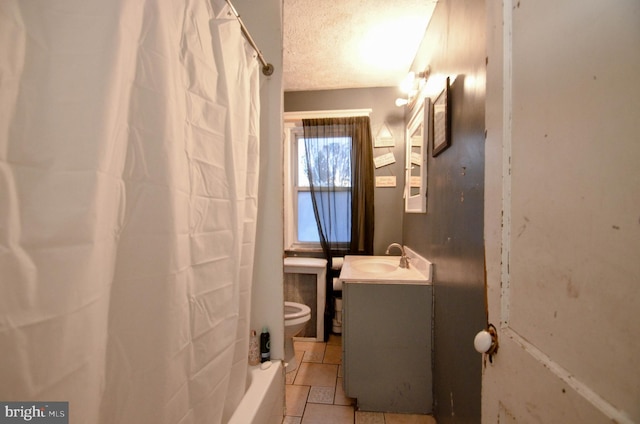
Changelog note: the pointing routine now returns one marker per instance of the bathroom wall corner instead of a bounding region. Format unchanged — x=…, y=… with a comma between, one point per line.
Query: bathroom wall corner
x=264, y=21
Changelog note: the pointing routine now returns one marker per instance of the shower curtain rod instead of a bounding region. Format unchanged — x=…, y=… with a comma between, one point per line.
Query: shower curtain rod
x=267, y=68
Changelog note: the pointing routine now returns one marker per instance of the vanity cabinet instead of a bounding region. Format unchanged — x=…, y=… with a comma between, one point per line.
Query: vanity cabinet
x=387, y=346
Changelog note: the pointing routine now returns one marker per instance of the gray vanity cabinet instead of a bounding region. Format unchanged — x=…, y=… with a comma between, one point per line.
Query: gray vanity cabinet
x=387, y=346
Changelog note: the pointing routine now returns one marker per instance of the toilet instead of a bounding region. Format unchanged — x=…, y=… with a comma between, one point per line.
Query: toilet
x=296, y=316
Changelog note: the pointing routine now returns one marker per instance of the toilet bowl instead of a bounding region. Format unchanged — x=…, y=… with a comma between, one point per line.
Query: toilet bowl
x=296, y=316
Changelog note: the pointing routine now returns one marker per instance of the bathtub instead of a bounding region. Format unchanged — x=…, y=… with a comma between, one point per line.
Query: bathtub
x=263, y=402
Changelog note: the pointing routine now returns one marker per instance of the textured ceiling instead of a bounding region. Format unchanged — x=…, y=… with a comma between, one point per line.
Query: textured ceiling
x=330, y=44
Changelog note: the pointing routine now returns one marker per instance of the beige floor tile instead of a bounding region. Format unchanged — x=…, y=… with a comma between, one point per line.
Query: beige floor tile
x=319, y=394
x=308, y=346
x=341, y=398
x=363, y=417
x=312, y=374
x=317, y=413
x=290, y=377
x=313, y=356
x=408, y=419
x=313, y=351
x=296, y=399
x=333, y=354
x=292, y=420
x=334, y=339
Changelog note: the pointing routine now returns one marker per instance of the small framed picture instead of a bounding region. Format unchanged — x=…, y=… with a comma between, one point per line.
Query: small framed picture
x=441, y=122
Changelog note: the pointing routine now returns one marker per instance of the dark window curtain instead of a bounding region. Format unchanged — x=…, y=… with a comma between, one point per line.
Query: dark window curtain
x=317, y=135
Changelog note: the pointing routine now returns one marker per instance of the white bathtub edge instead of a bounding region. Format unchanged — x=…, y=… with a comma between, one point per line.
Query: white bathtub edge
x=263, y=402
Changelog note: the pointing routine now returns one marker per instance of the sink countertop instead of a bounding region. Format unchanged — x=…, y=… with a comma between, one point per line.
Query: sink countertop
x=411, y=275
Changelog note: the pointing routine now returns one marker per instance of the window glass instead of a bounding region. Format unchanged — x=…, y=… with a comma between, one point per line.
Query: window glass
x=331, y=150
x=307, y=227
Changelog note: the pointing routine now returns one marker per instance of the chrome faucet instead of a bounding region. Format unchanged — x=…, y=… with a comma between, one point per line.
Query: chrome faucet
x=404, y=261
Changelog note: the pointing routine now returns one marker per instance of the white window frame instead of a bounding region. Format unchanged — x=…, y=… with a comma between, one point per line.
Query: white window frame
x=292, y=125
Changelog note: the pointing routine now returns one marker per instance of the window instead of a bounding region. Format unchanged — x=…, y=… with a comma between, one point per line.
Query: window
x=341, y=137
x=330, y=150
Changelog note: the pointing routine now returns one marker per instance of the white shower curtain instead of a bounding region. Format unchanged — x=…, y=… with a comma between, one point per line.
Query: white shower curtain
x=128, y=202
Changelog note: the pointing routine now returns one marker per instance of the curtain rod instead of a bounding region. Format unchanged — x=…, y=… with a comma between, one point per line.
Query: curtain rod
x=267, y=68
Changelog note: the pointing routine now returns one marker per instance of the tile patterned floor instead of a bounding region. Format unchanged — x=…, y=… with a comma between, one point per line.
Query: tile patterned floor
x=314, y=393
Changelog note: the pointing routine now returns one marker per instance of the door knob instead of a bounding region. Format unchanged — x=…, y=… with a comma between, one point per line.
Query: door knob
x=486, y=341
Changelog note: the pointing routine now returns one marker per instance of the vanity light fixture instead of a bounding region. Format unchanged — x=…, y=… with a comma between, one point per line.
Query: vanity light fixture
x=412, y=84
x=408, y=83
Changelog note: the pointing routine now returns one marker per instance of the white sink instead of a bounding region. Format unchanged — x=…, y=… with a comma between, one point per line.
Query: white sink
x=375, y=265
x=384, y=270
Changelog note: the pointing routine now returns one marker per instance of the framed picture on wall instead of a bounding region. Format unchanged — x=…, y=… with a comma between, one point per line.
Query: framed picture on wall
x=441, y=122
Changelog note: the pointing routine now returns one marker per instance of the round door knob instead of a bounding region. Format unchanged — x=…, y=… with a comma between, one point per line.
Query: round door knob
x=483, y=341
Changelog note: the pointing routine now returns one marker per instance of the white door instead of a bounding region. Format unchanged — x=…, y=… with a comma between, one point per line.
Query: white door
x=562, y=214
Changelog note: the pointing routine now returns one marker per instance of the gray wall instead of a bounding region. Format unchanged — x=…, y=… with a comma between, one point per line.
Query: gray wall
x=264, y=18
x=450, y=234
x=389, y=204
